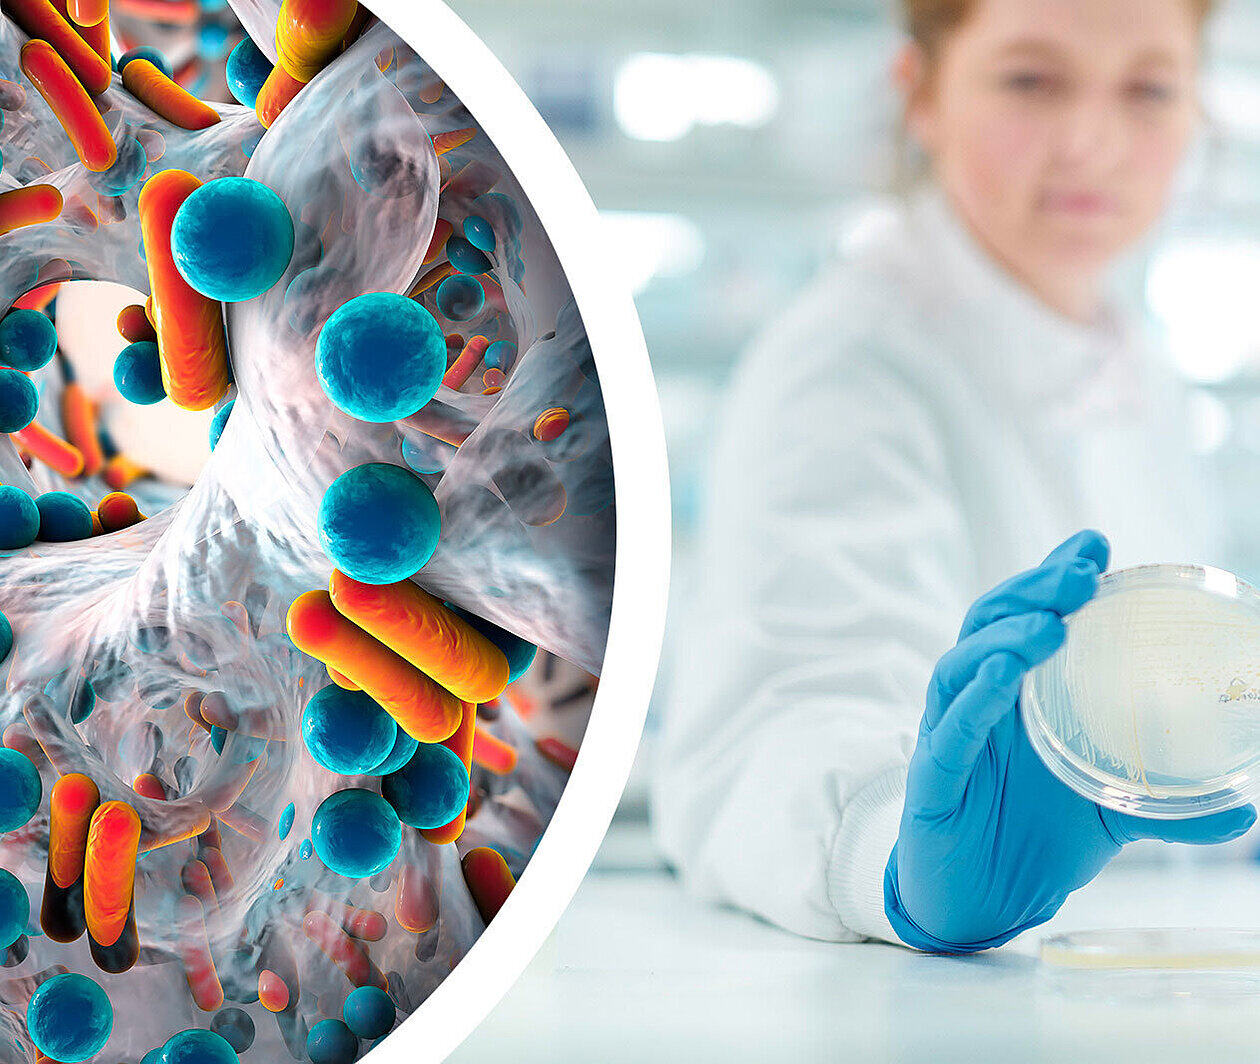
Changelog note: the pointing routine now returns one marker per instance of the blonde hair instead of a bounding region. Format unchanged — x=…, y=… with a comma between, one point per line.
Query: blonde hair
x=929, y=23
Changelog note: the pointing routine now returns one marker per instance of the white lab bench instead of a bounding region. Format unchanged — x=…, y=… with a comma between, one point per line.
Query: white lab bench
x=638, y=971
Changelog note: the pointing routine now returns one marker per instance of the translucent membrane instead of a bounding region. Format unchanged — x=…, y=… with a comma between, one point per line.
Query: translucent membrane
x=1152, y=705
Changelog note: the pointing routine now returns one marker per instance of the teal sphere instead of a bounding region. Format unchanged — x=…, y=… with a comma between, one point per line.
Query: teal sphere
x=69, y=1018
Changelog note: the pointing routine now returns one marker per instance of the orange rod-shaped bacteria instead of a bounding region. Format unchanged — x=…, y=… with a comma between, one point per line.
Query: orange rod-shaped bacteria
x=134, y=324
x=195, y=878
x=148, y=785
x=424, y=710
x=166, y=98
x=341, y=949
x=71, y=105
x=88, y=12
x=416, y=626
x=277, y=92
x=194, y=951
x=51, y=449
x=441, y=426
x=39, y=298
x=455, y=138
x=489, y=880
x=550, y=424
x=109, y=876
x=44, y=22
x=442, y=230
x=492, y=753
x=97, y=38
x=121, y=471
x=73, y=800
x=78, y=414
x=439, y=273
x=365, y=924
x=220, y=875
x=309, y=33
x=558, y=753
x=192, y=346
x=118, y=510
x=460, y=744
x=273, y=992
x=342, y=681
x=168, y=12
x=469, y=359
x=415, y=901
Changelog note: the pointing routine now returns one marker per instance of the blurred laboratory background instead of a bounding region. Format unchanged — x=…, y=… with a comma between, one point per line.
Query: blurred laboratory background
x=731, y=148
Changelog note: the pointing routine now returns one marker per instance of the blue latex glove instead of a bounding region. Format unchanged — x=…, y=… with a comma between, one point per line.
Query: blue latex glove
x=991, y=843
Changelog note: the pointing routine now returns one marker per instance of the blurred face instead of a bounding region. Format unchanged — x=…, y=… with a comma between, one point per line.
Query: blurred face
x=1057, y=126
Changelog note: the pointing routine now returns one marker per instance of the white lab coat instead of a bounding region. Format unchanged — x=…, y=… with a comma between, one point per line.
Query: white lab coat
x=915, y=429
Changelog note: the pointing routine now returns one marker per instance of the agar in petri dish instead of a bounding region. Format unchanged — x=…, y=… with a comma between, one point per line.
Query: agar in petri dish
x=1152, y=704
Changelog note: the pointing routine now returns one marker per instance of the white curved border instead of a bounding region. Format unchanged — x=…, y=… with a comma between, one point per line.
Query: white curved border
x=641, y=578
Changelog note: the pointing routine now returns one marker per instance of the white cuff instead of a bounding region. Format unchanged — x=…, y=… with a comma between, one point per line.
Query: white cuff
x=855, y=874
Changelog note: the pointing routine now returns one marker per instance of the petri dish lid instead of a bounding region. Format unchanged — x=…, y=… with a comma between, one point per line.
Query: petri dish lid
x=1152, y=704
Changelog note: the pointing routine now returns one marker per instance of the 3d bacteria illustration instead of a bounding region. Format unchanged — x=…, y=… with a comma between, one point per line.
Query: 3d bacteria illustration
x=278, y=740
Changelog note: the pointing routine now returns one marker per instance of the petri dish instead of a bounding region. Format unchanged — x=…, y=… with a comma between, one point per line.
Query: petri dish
x=1152, y=704
x=1170, y=948
x=1155, y=964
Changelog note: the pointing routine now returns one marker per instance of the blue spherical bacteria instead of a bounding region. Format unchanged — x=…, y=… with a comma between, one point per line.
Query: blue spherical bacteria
x=369, y=1012
x=15, y=909
x=63, y=517
x=286, y=822
x=19, y=518
x=356, y=833
x=465, y=257
x=479, y=233
x=232, y=239
x=500, y=355
x=126, y=170
x=379, y=523
x=235, y=1026
x=20, y=790
x=247, y=69
x=331, y=1042
x=347, y=731
x=70, y=1019
x=430, y=789
x=198, y=1046
x=6, y=637
x=138, y=373
x=460, y=297
x=19, y=400
x=404, y=749
x=28, y=340
x=380, y=357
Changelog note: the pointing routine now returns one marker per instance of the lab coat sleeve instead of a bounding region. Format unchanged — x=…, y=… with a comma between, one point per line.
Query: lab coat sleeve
x=831, y=565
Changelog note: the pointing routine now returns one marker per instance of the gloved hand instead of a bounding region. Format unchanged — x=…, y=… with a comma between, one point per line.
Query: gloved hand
x=991, y=843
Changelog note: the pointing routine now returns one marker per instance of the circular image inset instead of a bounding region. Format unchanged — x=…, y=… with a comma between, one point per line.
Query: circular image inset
x=316, y=478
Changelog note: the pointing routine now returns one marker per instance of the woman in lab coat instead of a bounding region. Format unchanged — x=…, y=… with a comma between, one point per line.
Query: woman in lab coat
x=946, y=404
